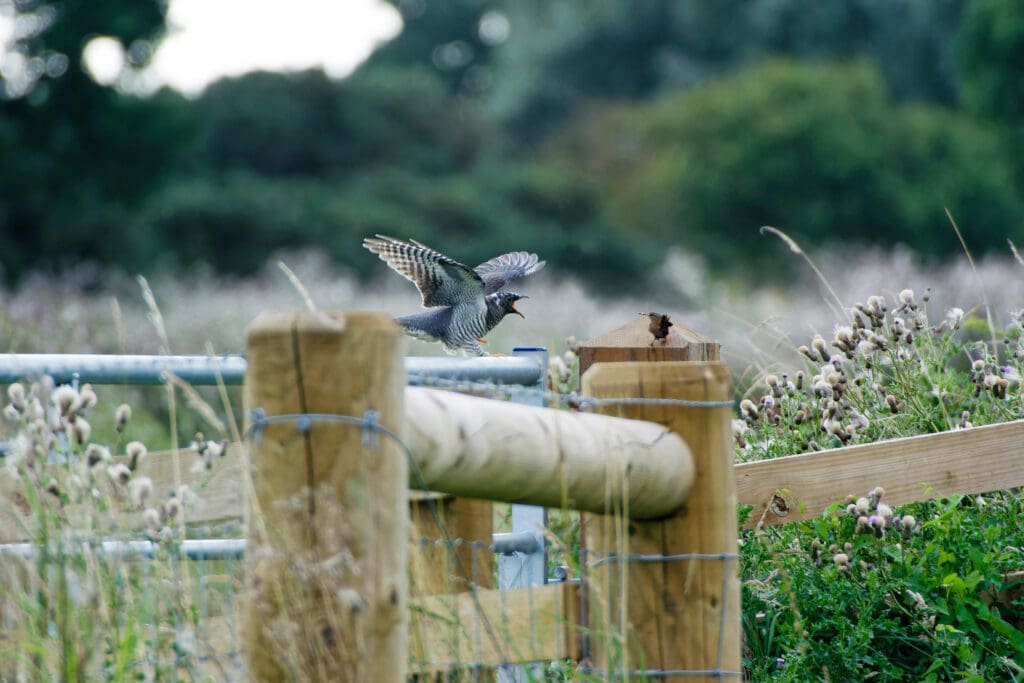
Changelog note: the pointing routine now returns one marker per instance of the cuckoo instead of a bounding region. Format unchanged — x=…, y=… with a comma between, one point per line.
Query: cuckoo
x=463, y=303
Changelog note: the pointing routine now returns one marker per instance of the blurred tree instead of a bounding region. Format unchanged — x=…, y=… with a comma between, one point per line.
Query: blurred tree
x=78, y=154
x=562, y=56
x=305, y=124
x=509, y=125
x=991, y=52
x=290, y=159
x=821, y=151
x=453, y=37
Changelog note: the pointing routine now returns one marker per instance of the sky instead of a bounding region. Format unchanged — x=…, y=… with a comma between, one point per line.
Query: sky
x=209, y=39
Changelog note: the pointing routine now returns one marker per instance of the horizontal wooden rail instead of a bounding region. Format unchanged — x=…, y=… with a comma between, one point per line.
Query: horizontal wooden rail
x=482, y=448
x=218, y=494
x=492, y=627
x=912, y=469
x=489, y=628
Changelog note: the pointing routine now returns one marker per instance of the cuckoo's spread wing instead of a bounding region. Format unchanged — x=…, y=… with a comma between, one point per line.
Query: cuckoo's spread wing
x=501, y=270
x=441, y=280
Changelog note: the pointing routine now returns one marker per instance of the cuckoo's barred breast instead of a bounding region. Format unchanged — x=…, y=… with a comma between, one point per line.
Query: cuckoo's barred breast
x=464, y=303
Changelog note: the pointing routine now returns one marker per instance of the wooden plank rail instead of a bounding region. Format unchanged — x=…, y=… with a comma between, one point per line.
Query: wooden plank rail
x=916, y=468
x=447, y=631
x=218, y=493
x=493, y=627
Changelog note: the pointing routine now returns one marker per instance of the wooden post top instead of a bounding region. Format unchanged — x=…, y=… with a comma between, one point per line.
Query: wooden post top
x=633, y=342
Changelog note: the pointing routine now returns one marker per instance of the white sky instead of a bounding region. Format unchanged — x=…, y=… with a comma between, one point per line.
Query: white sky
x=208, y=39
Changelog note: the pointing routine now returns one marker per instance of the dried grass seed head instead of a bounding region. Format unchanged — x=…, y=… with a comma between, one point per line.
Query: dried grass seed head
x=136, y=449
x=863, y=506
x=172, y=508
x=748, y=409
x=81, y=430
x=16, y=393
x=955, y=317
x=185, y=494
x=152, y=519
x=88, y=397
x=139, y=490
x=121, y=416
x=119, y=473
x=96, y=454
x=819, y=345
x=66, y=399
x=877, y=306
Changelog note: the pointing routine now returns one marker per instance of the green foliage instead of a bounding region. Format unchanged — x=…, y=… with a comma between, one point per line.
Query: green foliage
x=305, y=124
x=824, y=600
x=990, y=49
x=449, y=131
x=820, y=149
x=873, y=594
x=563, y=57
x=70, y=173
x=990, y=46
x=440, y=36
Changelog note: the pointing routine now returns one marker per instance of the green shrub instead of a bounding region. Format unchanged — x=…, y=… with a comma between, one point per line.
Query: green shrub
x=819, y=149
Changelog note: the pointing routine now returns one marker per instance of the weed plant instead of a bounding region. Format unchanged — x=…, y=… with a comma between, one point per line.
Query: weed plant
x=73, y=607
x=866, y=592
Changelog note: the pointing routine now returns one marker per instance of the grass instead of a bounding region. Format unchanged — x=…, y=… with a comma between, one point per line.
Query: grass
x=830, y=599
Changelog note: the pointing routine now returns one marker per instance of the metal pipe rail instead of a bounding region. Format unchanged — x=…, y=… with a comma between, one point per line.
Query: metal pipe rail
x=230, y=369
x=524, y=542
x=195, y=549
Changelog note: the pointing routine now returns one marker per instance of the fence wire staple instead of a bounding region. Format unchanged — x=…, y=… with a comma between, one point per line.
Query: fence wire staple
x=369, y=423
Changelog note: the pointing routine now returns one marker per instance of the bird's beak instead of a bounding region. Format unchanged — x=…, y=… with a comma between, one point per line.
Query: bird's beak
x=516, y=310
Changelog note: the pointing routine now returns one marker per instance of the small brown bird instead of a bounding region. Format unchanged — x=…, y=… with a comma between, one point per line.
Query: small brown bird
x=659, y=326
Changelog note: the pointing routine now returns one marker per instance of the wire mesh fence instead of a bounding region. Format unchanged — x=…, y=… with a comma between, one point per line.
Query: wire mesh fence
x=496, y=591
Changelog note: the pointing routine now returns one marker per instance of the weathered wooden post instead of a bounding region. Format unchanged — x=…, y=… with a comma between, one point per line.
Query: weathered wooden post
x=328, y=510
x=676, y=615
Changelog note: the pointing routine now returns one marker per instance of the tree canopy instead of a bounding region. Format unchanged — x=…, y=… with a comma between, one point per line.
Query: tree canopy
x=597, y=135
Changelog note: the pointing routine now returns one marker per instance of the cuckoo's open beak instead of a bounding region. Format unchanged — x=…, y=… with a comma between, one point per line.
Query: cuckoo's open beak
x=516, y=310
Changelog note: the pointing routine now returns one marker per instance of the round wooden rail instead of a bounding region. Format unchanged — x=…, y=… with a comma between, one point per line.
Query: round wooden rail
x=482, y=448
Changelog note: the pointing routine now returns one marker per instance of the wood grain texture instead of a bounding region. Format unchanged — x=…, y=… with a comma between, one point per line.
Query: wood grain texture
x=483, y=448
x=327, y=531
x=915, y=468
x=442, y=568
x=676, y=614
x=494, y=627
x=632, y=342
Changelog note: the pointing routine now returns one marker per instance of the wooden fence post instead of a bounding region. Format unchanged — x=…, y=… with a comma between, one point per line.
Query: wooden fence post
x=673, y=615
x=443, y=568
x=328, y=511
